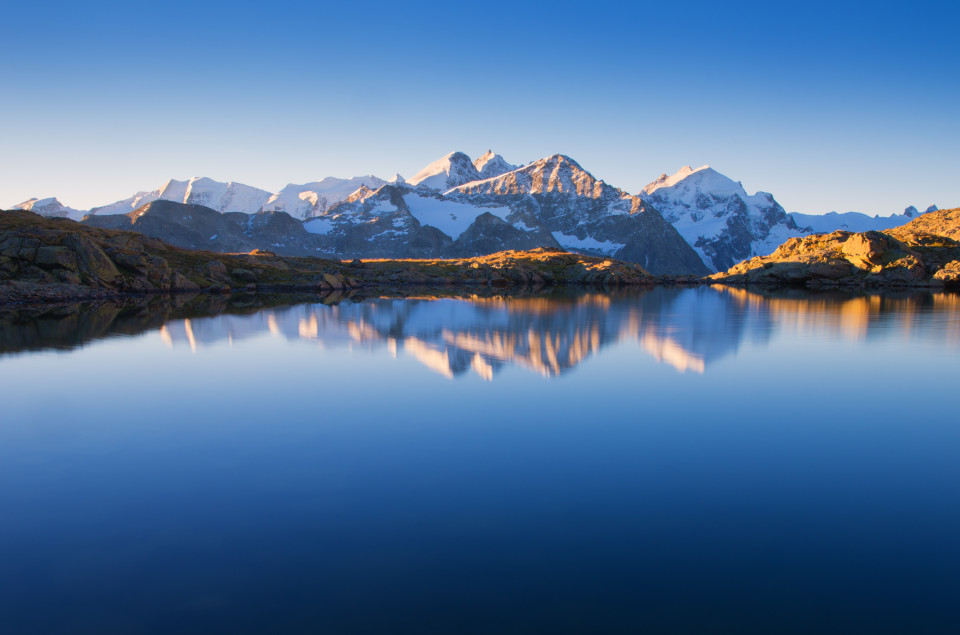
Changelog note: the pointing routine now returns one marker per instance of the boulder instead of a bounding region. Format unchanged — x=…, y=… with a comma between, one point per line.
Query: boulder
x=28, y=249
x=244, y=275
x=336, y=281
x=130, y=260
x=179, y=282
x=949, y=274
x=91, y=261
x=10, y=247
x=217, y=270
x=56, y=257
x=867, y=249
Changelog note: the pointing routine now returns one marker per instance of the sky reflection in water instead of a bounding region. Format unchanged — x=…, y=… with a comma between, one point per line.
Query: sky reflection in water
x=691, y=460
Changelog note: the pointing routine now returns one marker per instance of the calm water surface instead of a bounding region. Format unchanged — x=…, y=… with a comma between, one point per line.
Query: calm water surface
x=699, y=460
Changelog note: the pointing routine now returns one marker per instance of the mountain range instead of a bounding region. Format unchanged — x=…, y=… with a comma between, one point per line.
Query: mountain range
x=693, y=222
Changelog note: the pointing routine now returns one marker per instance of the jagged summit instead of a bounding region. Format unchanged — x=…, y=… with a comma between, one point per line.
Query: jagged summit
x=491, y=165
x=447, y=172
x=913, y=212
x=397, y=179
x=557, y=173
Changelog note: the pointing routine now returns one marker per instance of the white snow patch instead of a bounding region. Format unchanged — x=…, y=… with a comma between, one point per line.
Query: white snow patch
x=604, y=247
x=450, y=217
x=320, y=225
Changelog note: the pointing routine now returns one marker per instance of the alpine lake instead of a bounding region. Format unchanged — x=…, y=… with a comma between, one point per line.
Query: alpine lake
x=665, y=460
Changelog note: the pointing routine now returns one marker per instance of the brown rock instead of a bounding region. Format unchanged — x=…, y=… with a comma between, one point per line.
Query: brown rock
x=950, y=274
x=867, y=249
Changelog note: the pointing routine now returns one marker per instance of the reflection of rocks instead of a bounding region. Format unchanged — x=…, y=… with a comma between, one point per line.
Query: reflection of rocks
x=850, y=315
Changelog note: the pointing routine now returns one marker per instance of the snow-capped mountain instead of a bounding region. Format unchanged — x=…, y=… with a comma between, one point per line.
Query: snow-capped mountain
x=402, y=221
x=222, y=197
x=450, y=171
x=548, y=203
x=51, y=208
x=855, y=221
x=312, y=199
x=490, y=165
x=717, y=217
x=582, y=213
x=456, y=206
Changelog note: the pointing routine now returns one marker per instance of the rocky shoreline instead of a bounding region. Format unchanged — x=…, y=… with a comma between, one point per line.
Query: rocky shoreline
x=55, y=260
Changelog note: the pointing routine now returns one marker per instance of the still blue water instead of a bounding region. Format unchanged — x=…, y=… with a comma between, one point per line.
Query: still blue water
x=698, y=460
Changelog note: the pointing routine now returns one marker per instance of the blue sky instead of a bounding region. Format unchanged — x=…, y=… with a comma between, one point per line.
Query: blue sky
x=829, y=106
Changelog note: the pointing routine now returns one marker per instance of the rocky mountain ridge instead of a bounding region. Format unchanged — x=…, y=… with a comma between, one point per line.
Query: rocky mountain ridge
x=456, y=206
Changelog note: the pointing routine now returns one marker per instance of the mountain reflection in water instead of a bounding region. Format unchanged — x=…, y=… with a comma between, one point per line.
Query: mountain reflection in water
x=687, y=328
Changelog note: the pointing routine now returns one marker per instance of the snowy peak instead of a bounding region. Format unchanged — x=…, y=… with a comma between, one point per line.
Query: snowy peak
x=397, y=179
x=313, y=199
x=223, y=197
x=443, y=174
x=704, y=178
x=716, y=216
x=491, y=165
x=669, y=181
x=50, y=207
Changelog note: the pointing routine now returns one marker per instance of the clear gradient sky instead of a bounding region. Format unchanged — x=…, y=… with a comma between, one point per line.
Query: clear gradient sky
x=828, y=105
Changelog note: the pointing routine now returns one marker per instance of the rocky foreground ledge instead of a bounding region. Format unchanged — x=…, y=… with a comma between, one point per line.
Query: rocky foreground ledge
x=922, y=253
x=54, y=259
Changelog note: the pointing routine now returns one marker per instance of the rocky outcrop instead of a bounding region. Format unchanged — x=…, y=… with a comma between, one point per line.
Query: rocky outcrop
x=925, y=252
